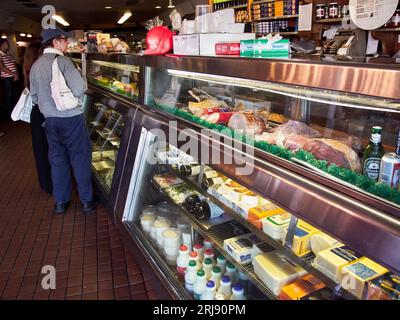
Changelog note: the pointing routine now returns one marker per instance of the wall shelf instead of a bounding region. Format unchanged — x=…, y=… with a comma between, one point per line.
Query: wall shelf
x=294, y=16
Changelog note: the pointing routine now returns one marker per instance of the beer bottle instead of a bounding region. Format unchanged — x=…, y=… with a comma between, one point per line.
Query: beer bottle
x=190, y=170
x=373, y=155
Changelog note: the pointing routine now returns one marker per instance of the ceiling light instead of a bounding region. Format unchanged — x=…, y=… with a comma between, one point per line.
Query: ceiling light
x=4, y=36
x=29, y=35
x=125, y=17
x=22, y=34
x=107, y=7
x=171, y=5
x=60, y=20
x=157, y=7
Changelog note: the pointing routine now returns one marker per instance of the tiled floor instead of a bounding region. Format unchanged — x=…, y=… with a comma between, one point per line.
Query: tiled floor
x=86, y=251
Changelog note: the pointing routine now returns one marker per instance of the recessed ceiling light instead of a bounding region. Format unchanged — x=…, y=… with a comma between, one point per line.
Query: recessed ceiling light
x=60, y=20
x=4, y=36
x=29, y=35
x=157, y=7
x=107, y=7
x=22, y=34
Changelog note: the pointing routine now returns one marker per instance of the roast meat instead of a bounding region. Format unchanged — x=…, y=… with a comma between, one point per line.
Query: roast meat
x=294, y=128
x=247, y=123
x=294, y=142
x=334, y=151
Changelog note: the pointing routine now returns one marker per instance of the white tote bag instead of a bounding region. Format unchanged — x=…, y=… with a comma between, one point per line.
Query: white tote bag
x=61, y=93
x=23, y=108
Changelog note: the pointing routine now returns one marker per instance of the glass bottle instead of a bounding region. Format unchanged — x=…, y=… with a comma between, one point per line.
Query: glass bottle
x=373, y=155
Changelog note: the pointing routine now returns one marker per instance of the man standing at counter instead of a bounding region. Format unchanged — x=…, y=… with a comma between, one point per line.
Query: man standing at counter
x=66, y=131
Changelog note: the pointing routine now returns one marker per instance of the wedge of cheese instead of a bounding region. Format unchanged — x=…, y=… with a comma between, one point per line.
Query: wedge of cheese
x=301, y=239
x=256, y=214
x=321, y=241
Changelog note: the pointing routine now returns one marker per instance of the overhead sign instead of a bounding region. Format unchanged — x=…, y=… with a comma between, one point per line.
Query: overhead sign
x=371, y=14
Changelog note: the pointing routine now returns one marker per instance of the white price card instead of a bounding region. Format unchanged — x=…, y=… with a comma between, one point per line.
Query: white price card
x=371, y=14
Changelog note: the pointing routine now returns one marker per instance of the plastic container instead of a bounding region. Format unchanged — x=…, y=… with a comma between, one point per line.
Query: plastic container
x=232, y=272
x=221, y=262
x=150, y=211
x=243, y=281
x=207, y=267
x=181, y=224
x=146, y=221
x=199, y=248
x=225, y=287
x=172, y=237
x=195, y=256
x=207, y=244
x=182, y=260
x=200, y=285
x=209, y=253
x=190, y=276
x=275, y=226
x=187, y=237
x=216, y=275
x=238, y=293
x=219, y=296
x=203, y=18
x=171, y=251
x=210, y=290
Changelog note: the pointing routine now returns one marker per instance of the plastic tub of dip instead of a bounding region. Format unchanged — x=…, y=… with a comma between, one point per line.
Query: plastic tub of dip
x=172, y=237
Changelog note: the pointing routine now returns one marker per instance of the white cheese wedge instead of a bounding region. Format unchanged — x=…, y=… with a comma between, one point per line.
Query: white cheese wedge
x=322, y=241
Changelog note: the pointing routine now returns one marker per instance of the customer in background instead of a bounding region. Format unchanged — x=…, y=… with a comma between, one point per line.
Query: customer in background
x=67, y=133
x=8, y=76
x=39, y=139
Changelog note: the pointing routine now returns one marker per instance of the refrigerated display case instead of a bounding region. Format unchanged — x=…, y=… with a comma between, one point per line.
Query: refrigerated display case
x=117, y=73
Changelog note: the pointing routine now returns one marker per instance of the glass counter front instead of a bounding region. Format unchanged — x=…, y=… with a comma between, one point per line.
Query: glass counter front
x=119, y=78
x=327, y=131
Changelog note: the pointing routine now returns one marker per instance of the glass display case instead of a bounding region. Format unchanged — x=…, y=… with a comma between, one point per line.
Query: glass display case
x=116, y=73
x=178, y=208
x=326, y=131
x=105, y=127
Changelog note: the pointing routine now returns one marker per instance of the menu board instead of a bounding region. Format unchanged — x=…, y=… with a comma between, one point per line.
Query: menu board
x=371, y=14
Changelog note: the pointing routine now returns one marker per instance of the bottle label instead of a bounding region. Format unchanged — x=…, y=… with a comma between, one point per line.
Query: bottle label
x=181, y=270
x=376, y=137
x=372, y=168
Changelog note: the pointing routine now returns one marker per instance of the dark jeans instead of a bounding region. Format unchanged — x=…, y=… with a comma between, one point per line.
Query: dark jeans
x=10, y=94
x=41, y=150
x=69, y=145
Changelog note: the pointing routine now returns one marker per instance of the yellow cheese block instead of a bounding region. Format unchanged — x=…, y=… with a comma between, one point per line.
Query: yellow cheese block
x=355, y=275
x=301, y=239
x=256, y=214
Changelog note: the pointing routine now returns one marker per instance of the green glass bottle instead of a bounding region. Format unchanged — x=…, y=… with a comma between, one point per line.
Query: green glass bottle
x=373, y=155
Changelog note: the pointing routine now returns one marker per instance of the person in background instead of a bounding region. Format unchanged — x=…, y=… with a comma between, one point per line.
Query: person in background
x=8, y=76
x=39, y=139
x=66, y=131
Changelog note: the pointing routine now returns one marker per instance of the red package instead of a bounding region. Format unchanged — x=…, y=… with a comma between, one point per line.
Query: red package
x=159, y=41
x=220, y=117
x=214, y=110
x=227, y=48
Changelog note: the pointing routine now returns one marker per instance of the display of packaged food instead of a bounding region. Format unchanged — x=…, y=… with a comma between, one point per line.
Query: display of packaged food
x=275, y=271
x=180, y=192
x=386, y=287
x=241, y=248
x=331, y=261
x=355, y=275
x=301, y=288
x=275, y=226
x=166, y=180
x=301, y=238
x=256, y=214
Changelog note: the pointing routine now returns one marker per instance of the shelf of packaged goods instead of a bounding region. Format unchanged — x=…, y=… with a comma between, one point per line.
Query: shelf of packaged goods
x=217, y=236
x=168, y=272
x=263, y=1
x=304, y=261
x=294, y=16
x=333, y=20
x=387, y=30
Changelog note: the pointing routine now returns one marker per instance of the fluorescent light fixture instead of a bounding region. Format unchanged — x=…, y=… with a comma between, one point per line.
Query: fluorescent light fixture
x=22, y=34
x=29, y=35
x=60, y=20
x=157, y=7
x=171, y=5
x=4, y=36
x=107, y=7
x=125, y=17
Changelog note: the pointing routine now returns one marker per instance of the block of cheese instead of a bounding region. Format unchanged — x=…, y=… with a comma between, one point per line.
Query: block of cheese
x=241, y=248
x=301, y=239
x=264, y=211
x=275, y=226
x=275, y=271
x=331, y=261
x=321, y=241
x=301, y=288
x=354, y=276
x=386, y=287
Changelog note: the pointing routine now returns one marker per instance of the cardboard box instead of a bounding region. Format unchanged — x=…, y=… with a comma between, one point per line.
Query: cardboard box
x=227, y=48
x=204, y=44
x=261, y=49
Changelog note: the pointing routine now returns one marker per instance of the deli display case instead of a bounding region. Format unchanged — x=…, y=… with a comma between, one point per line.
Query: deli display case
x=117, y=73
x=253, y=155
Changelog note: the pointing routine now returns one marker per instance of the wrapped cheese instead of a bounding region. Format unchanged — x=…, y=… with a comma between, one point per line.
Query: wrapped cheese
x=258, y=213
x=247, y=123
x=301, y=239
x=275, y=271
x=275, y=226
x=301, y=288
x=322, y=241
